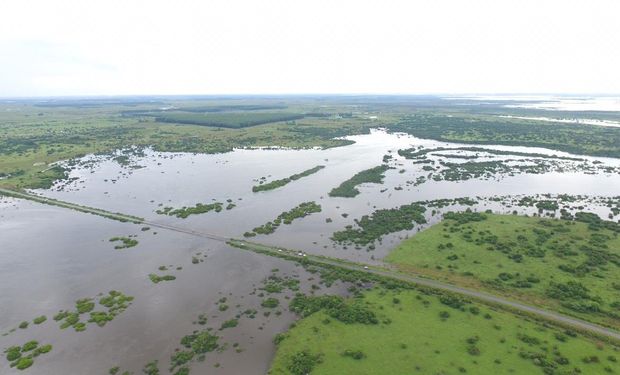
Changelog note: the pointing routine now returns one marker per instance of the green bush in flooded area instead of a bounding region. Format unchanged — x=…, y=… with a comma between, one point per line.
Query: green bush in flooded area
x=22, y=357
x=125, y=242
x=279, y=183
x=348, y=188
x=287, y=217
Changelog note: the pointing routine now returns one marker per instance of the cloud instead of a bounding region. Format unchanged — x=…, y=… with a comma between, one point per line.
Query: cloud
x=241, y=46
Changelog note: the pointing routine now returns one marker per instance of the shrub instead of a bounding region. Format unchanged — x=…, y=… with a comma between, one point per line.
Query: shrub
x=30, y=345
x=302, y=363
x=355, y=354
x=270, y=303
x=229, y=324
x=24, y=363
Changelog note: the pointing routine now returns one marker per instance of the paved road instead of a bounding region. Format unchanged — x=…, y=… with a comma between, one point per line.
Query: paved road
x=108, y=214
x=262, y=248
x=71, y=206
x=485, y=297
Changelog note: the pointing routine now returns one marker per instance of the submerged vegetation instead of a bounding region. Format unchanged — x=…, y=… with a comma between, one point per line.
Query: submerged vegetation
x=157, y=279
x=125, y=242
x=195, y=346
x=279, y=183
x=380, y=223
x=348, y=189
x=198, y=209
x=373, y=227
x=22, y=357
x=112, y=304
x=287, y=217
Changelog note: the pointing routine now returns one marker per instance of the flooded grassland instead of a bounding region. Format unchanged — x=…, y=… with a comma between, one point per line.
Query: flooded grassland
x=54, y=257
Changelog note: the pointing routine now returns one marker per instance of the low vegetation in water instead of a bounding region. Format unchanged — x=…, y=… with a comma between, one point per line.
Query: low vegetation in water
x=381, y=222
x=109, y=306
x=420, y=333
x=373, y=227
x=195, y=346
x=270, y=303
x=229, y=324
x=287, y=217
x=198, y=209
x=22, y=357
x=572, y=265
x=279, y=183
x=413, y=153
x=348, y=189
x=125, y=242
x=278, y=284
x=157, y=279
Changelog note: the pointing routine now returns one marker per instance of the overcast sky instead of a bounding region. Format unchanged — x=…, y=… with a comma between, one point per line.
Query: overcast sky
x=128, y=47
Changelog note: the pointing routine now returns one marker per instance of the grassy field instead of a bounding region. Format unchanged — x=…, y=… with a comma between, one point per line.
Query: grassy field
x=567, y=265
x=420, y=334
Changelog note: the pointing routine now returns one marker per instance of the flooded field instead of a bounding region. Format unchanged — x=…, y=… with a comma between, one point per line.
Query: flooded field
x=178, y=180
x=53, y=257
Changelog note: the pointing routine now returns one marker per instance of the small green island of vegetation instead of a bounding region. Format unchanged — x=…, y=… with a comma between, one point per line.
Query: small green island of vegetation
x=112, y=304
x=199, y=208
x=156, y=279
x=348, y=189
x=22, y=357
x=287, y=217
x=279, y=183
x=125, y=242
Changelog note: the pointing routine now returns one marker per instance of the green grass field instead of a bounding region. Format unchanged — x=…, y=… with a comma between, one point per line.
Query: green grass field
x=562, y=264
x=418, y=334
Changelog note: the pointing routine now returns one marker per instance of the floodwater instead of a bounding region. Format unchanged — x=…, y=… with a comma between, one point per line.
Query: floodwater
x=608, y=103
x=52, y=256
x=589, y=121
x=179, y=180
x=551, y=102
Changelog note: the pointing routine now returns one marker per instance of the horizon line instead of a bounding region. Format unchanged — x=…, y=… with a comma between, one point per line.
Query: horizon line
x=308, y=94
